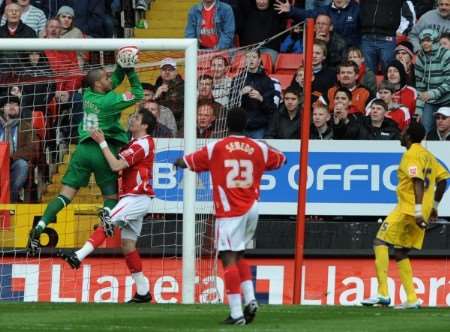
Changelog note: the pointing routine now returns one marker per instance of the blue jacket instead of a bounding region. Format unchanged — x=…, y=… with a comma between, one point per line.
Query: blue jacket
x=290, y=45
x=225, y=26
x=346, y=22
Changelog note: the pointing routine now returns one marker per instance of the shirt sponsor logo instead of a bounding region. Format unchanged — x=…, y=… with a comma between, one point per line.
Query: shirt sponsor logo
x=412, y=171
x=127, y=96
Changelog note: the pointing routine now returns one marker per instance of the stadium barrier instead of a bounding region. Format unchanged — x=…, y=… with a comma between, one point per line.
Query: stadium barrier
x=326, y=281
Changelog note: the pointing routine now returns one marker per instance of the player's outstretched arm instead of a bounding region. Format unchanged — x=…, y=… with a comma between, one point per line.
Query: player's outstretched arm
x=441, y=186
x=115, y=164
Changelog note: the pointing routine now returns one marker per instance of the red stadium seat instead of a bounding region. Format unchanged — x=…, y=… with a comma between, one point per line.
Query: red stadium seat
x=287, y=63
x=285, y=79
x=239, y=62
x=266, y=60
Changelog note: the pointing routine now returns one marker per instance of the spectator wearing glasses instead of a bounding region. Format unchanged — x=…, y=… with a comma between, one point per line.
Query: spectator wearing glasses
x=442, y=131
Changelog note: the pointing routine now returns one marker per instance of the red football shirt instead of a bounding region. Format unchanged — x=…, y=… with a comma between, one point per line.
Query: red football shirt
x=208, y=35
x=136, y=179
x=237, y=164
x=401, y=116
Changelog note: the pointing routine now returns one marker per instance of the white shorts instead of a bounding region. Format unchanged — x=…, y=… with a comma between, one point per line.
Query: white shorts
x=237, y=233
x=131, y=210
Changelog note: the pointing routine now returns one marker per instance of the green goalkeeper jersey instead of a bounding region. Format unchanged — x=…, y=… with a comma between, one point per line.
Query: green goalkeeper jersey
x=103, y=110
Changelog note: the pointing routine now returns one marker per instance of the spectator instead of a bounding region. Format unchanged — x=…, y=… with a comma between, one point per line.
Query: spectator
x=237, y=13
x=298, y=84
x=379, y=22
x=346, y=122
x=432, y=77
x=31, y=16
x=64, y=64
x=377, y=126
x=170, y=90
x=212, y=23
x=344, y=17
x=24, y=147
x=164, y=116
x=206, y=117
x=445, y=40
x=314, y=4
x=205, y=84
x=336, y=45
x=348, y=73
x=50, y=7
x=407, y=19
x=293, y=43
x=442, y=131
x=92, y=18
x=405, y=54
x=261, y=22
x=436, y=19
x=149, y=93
x=422, y=6
x=398, y=113
x=285, y=123
x=257, y=96
x=221, y=88
x=321, y=127
x=366, y=77
x=69, y=114
x=405, y=94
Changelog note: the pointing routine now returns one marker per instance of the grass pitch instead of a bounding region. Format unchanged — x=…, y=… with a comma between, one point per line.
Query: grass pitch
x=150, y=317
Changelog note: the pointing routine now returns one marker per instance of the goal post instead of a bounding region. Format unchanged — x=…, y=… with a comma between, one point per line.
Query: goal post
x=189, y=46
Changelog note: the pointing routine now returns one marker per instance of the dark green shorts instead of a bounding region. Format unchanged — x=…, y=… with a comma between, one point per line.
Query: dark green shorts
x=87, y=159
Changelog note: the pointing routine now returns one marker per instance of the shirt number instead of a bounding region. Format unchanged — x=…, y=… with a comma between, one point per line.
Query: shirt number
x=241, y=173
x=90, y=122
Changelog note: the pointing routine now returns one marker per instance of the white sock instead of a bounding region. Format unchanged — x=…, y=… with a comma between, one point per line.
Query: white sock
x=141, y=281
x=84, y=251
x=235, y=303
x=248, y=291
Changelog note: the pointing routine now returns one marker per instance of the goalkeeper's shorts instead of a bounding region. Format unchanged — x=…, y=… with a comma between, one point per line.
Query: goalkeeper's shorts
x=401, y=231
x=87, y=159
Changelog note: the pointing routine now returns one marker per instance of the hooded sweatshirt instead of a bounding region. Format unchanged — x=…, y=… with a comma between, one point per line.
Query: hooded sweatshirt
x=430, y=20
x=433, y=72
x=405, y=95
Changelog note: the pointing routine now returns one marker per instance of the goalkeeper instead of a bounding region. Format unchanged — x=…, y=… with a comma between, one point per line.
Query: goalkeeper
x=102, y=108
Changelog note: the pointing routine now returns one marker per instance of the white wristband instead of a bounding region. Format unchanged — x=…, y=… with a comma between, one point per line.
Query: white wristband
x=436, y=205
x=103, y=145
x=418, y=210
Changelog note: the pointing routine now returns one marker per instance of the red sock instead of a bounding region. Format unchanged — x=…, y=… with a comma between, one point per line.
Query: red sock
x=232, y=280
x=97, y=237
x=134, y=262
x=244, y=270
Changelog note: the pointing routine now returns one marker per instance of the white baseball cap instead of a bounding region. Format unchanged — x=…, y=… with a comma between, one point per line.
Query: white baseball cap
x=445, y=111
x=168, y=62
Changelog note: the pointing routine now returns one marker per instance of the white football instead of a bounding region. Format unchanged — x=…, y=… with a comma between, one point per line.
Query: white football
x=127, y=57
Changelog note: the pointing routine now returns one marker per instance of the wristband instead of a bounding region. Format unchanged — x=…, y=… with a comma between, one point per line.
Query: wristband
x=418, y=210
x=436, y=205
x=103, y=145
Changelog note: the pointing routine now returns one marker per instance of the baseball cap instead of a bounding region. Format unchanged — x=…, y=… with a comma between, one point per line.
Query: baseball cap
x=445, y=111
x=428, y=33
x=168, y=62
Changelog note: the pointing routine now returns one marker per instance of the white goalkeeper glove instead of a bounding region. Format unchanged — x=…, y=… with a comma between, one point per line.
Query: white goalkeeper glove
x=127, y=57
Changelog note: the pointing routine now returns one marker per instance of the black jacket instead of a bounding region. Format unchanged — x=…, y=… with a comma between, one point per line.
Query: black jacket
x=328, y=134
x=349, y=130
x=388, y=130
x=380, y=17
x=259, y=113
x=282, y=127
x=435, y=136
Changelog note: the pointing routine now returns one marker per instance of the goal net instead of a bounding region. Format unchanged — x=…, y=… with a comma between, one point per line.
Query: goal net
x=43, y=80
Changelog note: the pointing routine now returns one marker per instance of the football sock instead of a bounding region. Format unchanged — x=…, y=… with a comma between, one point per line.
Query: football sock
x=381, y=267
x=406, y=277
x=96, y=239
x=142, y=286
x=110, y=203
x=134, y=264
x=248, y=291
x=54, y=206
x=232, y=286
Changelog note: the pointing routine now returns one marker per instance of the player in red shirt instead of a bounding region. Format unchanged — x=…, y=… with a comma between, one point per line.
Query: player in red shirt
x=135, y=188
x=237, y=164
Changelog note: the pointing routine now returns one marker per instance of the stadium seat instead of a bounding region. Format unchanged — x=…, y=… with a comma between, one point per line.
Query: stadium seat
x=287, y=63
x=285, y=79
x=266, y=60
x=379, y=78
x=239, y=63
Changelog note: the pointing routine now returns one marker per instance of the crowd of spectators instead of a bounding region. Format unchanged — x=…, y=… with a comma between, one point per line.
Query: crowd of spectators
x=377, y=65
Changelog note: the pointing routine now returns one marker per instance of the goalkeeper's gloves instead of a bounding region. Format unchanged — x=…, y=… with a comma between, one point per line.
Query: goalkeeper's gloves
x=33, y=245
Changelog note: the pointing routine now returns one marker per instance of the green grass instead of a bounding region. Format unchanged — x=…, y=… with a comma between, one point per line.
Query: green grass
x=150, y=317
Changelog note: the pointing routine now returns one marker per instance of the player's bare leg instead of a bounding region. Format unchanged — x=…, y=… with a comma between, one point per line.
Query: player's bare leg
x=406, y=277
x=247, y=288
x=381, y=250
x=134, y=264
x=232, y=287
